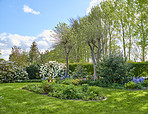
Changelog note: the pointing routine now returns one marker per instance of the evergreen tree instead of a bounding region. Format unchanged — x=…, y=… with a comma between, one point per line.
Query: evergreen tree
x=34, y=53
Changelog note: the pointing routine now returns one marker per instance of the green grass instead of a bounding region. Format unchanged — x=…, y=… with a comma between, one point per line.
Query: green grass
x=14, y=100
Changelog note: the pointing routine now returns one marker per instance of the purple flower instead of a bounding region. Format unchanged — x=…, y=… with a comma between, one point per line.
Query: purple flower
x=134, y=80
x=67, y=76
x=84, y=79
x=141, y=80
x=138, y=80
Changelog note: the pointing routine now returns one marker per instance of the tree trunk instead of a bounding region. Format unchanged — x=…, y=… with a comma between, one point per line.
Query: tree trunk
x=99, y=49
x=75, y=55
x=123, y=38
x=94, y=61
x=130, y=43
x=78, y=58
x=110, y=42
x=143, y=43
x=67, y=61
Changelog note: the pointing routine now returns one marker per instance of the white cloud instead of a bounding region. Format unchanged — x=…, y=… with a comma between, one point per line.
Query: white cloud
x=47, y=35
x=27, y=9
x=91, y=5
x=7, y=41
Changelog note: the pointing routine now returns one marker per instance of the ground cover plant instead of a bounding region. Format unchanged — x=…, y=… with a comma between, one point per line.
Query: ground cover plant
x=14, y=100
x=63, y=91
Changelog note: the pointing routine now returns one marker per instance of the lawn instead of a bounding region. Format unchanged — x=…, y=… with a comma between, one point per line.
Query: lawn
x=14, y=100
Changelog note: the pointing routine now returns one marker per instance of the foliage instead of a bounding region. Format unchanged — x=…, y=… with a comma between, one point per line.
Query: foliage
x=11, y=73
x=64, y=40
x=19, y=56
x=47, y=87
x=34, y=53
x=68, y=91
x=144, y=74
x=79, y=72
x=34, y=87
x=87, y=66
x=136, y=83
x=130, y=85
x=145, y=83
x=28, y=80
x=101, y=83
x=85, y=87
x=79, y=81
x=66, y=81
x=141, y=69
x=51, y=70
x=114, y=69
x=64, y=92
x=33, y=71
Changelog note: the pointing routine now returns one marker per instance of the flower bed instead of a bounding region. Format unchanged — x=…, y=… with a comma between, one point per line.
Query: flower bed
x=63, y=91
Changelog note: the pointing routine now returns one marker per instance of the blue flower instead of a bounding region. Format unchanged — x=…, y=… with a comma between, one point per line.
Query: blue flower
x=141, y=80
x=138, y=80
x=84, y=79
x=67, y=76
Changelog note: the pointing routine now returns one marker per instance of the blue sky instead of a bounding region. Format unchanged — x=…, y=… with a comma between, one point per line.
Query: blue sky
x=25, y=21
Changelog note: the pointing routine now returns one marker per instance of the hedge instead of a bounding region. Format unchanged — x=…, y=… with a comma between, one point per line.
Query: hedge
x=30, y=80
x=88, y=66
x=140, y=67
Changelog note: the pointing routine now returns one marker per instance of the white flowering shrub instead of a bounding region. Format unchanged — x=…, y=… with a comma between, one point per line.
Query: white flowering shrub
x=11, y=73
x=51, y=70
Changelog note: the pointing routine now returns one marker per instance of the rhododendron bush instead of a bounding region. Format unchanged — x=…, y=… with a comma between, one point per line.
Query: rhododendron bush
x=51, y=70
x=11, y=73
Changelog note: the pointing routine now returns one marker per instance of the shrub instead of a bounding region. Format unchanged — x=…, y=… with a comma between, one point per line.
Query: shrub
x=73, y=92
x=34, y=87
x=130, y=85
x=79, y=81
x=66, y=81
x=145, y=83
x=144, y=74
x=114, y=69
x=11, y=73
x=47, y=87
x=69, y=91
x=33, y=71
x=85, y=87
x=138, y=82
x=51, y=70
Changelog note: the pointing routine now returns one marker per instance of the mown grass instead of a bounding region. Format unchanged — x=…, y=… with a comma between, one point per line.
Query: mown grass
x=14, y=100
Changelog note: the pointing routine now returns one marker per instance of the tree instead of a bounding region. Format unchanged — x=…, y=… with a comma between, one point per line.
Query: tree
x=19, y=56
x=34, y=53
x=64, y=35
x=94, y=34
x=142, y=30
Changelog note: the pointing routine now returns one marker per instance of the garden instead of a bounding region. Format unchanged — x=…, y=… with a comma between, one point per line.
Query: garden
x=117, y=89
x=97, y=63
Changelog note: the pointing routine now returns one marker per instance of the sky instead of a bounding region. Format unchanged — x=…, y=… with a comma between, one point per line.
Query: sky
x=25, y=21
